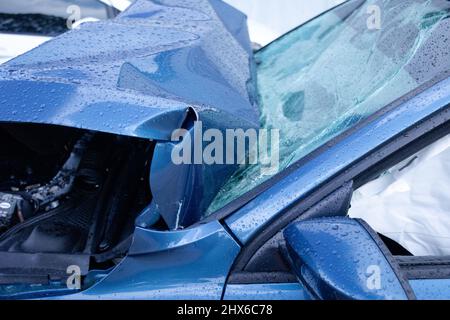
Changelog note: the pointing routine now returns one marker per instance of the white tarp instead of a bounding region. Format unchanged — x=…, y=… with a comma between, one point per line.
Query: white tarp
x=12, y=45
x=410, y=203
x=269, y=19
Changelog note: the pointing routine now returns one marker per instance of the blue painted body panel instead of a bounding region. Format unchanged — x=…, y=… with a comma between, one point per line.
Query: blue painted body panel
x=431, y=289
x=250, y=219
x=268, y=291
x=153, y=69
x=136, y=74
x=187, y=264
x=337, y=258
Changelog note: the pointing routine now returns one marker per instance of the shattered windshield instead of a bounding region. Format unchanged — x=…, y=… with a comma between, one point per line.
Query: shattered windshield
x=336, y=70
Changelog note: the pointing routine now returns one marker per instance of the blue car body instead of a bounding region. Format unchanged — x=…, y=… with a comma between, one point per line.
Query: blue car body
x=149, y=71
x=159, y=66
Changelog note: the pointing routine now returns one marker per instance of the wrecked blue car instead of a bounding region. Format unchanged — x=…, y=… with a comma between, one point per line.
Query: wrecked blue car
x=349, y=202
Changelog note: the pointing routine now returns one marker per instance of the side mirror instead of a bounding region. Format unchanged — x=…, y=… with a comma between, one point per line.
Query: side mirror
x=342, y=258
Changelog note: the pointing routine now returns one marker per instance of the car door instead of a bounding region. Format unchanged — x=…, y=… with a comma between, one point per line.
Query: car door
x=316, y=251
x=344, y=258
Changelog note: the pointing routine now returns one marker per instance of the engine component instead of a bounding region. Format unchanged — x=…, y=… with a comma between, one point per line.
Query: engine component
x=8, y=206
x=17, y=206
x=62, y=183
x=14, y=208
x=83, y=204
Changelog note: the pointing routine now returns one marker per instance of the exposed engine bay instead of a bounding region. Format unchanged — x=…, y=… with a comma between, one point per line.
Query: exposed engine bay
x=67, y=197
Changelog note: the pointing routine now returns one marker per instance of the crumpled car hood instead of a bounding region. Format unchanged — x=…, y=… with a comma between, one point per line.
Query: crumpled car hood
x=144, y=74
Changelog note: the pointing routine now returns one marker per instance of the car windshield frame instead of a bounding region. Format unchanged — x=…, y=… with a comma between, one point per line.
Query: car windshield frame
x=231, y=207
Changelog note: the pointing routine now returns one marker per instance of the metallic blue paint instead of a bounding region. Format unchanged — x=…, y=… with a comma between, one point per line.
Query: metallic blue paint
x=52, y=289
x=186, y=264
x=196, y=184
x=337, y=259
x=139, y=72
x=261, y=211
x=33, y=291
x=267, y=291
x=431, y=289
x=157, y=67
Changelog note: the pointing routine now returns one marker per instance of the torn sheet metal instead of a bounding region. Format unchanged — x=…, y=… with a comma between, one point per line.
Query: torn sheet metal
x=141, y=74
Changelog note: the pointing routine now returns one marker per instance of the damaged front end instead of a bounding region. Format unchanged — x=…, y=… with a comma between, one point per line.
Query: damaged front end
x=69, y=198
x=86, y=127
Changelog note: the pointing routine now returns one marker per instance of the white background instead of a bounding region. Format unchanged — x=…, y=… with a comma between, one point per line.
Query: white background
x=269, y=19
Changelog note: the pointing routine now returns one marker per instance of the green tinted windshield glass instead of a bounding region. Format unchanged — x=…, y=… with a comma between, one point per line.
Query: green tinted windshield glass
x=324, y=77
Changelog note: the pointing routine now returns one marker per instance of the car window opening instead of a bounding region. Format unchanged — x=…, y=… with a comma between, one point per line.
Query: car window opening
x=410, y=202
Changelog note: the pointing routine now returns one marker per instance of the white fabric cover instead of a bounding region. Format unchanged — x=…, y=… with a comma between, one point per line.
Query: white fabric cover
x=410, y=203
